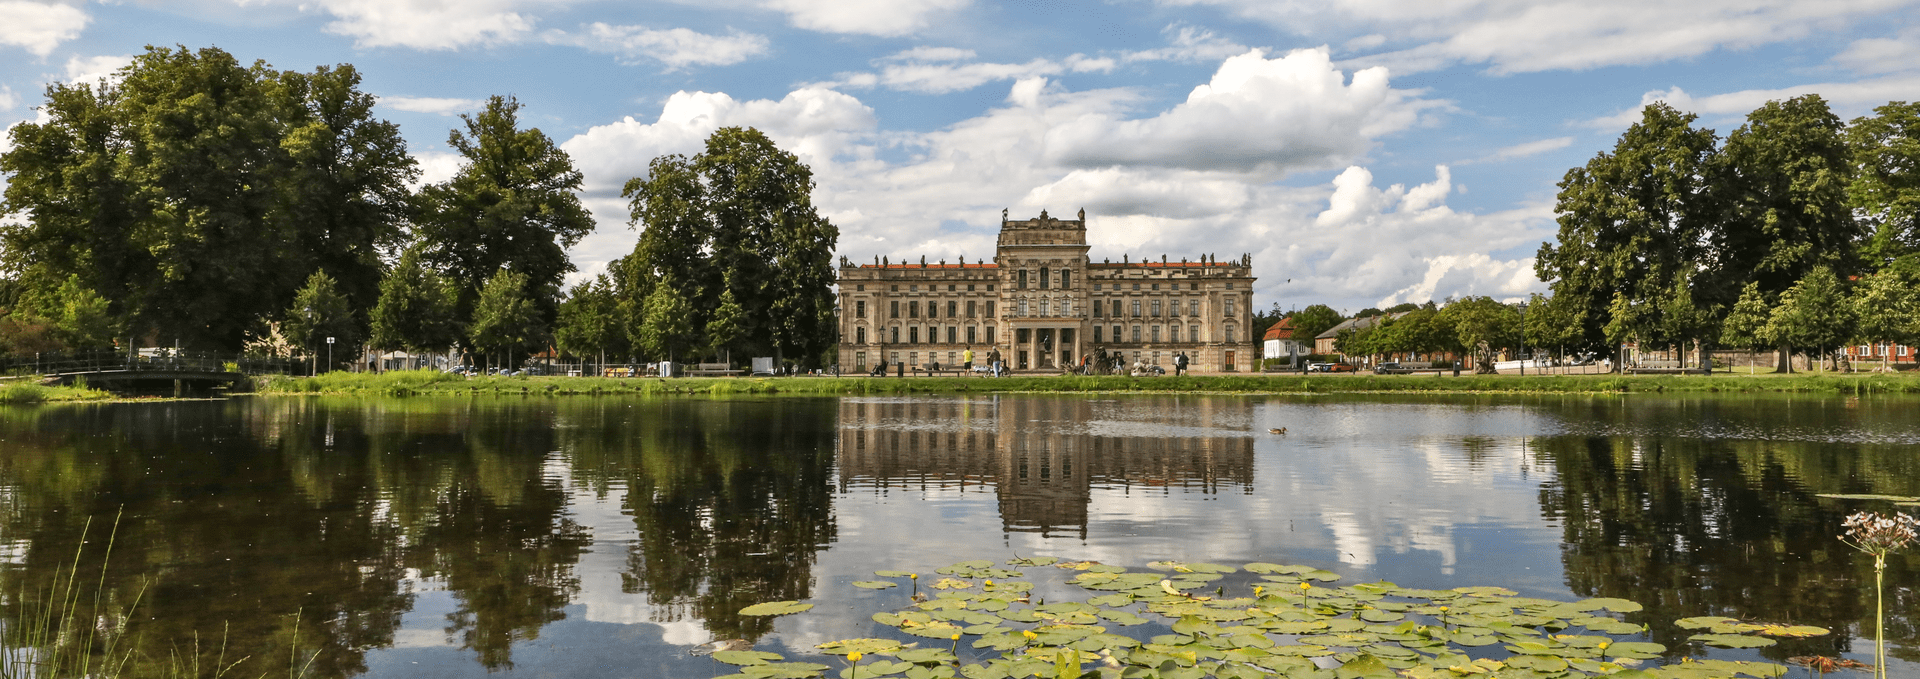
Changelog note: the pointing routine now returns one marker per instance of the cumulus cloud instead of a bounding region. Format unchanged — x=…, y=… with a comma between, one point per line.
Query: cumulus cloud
x=940, y=193
x=1846, y=98
x=436, y=167
x=1256, y=115
x=1882, y=55
x=440, y=105
x=8, y=100
x=675, y=47
x=869, y=17
x=939, y=70
x=1522, y=150
x=38, y=27
x=90, y=70
x=1517, y=36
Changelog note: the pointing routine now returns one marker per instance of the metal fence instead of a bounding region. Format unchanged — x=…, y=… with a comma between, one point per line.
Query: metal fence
x=121, y=360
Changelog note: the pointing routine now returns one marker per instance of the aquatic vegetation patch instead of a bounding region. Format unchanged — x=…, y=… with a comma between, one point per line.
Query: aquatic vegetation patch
x=1286, y=621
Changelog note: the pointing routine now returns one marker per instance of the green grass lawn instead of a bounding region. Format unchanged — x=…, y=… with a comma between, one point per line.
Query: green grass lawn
x=432, y=382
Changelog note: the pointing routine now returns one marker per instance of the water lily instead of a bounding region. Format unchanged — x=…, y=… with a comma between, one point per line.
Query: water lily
x=1879, y=535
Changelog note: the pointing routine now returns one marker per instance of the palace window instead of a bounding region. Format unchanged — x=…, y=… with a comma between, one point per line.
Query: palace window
x=1066, y=307
x=1229, y=334
x=1173, y=333
x=933, y=309
x=1193, y=334
x=1229, y=308
x=1023, y=279
x=1156, y=308
x=860, y=335
x=913, y=309
x=1096, y=309
x=896, y=310
x=972, y=309
x=1023, y=307
x=1116, y=308
x=1066, y=279
x=1193, y=308
x=1136, y=334
x=913, y=335
x=989, y=334
x=953, y=308
x=1043, y=278
x=1096, y=334
x=971, y=332
x=1044, y=304
x=989, y=309
x=1136, y=309
x=1116, y=333
x=896, y=337
x=860, y=309
x=952, y=332
x=1156, y=333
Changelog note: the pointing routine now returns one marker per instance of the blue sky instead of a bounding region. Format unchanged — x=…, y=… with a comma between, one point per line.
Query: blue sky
x=1364, y=152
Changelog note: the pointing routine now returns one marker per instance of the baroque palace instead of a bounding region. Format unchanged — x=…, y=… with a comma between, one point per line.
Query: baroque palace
x=1044, y=304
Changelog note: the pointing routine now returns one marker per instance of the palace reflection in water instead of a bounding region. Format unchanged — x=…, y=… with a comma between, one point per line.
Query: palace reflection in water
x=1041, y=457
x=605, y=536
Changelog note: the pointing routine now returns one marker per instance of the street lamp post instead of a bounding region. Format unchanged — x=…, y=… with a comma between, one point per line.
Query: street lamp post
x=1523, y=338
x=312, y=359
x=329, y=352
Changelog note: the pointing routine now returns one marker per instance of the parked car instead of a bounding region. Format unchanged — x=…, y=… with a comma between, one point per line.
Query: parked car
x=1390, y=368
x=1340, y=367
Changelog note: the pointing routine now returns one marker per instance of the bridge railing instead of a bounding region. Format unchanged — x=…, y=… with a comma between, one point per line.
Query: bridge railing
x=120, y=360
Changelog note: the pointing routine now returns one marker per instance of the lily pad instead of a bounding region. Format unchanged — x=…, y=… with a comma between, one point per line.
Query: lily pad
x=1731, y=640
x=1640, y=650
x=1034, y=561
x=1792, y=631
x=776, y=608
x=745, y=657
x=785, y=670
x=865, y=646
x=1703, y=622
x=874, y=584
x=894, y=574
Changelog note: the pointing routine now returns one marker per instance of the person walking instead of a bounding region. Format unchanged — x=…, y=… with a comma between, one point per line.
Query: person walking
x=1179, y=364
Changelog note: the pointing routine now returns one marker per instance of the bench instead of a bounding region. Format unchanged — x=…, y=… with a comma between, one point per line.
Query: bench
x=713, y=369
x=931, y=370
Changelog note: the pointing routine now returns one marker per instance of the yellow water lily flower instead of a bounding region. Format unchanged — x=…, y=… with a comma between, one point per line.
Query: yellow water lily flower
x=854, y=656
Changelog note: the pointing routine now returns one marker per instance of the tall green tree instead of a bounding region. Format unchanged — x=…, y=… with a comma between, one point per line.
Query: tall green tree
x=81, y=319
x=512, y=206
x=320, y=311
x=1554, y=323
x=344, y=189
x=1308, y=323
x=590, y=323
x=197, y=194
x=1783, y=179
x=505, y=321
x=1745, y=326
x=1886, y=183
x=1483, y=327
x=737, y=220
x=667, y=329
x=1632, y=222
x=1887, y=305
x=1814, y=315
x=415, y=310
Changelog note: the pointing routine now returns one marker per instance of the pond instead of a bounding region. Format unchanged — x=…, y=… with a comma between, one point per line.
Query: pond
x=608, y=537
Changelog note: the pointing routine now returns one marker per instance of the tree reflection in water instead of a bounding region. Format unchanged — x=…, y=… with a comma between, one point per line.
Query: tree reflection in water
x=1708, y=507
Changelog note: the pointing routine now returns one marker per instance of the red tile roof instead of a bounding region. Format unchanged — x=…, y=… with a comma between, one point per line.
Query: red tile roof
x=1281, y=330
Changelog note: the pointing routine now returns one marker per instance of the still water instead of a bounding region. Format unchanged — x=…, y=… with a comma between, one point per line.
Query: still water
x=605, y=537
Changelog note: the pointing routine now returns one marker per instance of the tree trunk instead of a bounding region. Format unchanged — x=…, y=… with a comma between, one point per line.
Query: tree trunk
x=1784, y=360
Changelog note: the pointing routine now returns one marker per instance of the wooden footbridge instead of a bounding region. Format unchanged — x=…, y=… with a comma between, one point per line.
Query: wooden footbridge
x=147, y=371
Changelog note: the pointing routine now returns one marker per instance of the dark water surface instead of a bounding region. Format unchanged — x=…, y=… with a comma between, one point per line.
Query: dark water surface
x=604, y=537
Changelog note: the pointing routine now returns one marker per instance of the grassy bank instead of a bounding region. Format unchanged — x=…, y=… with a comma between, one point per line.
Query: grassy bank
x=16, y=391
x=430, y=382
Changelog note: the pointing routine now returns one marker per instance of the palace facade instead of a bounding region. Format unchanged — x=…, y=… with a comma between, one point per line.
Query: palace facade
x=1044, y=304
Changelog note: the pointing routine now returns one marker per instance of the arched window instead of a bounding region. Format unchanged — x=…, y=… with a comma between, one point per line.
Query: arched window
x=1045, y=304
x=1023, y=307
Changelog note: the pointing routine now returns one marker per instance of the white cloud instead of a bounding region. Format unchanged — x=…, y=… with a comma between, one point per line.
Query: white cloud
x=1882, y=55
x=1847, y=99
x=1522, y=150
x=90, y=70
x=429, y=24
x=941, y=193
x=1256, y=115
x=869, y=17
x=8, y=100
x=1189, y=44
x=676, y=47
x=939, y=70
x=38, y=27
x=436, y=167
x=1517, y=36
x=439, y=105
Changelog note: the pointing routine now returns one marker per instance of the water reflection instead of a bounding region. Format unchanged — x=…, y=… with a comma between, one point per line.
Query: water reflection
x=603, y=536
x=1040, y=457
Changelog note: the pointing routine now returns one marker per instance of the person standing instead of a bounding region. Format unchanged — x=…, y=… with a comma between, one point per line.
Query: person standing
x=966, y=358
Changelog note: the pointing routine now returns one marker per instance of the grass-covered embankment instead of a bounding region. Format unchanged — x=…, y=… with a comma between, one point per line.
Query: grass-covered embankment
x=426, y=382
x=23, y=390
